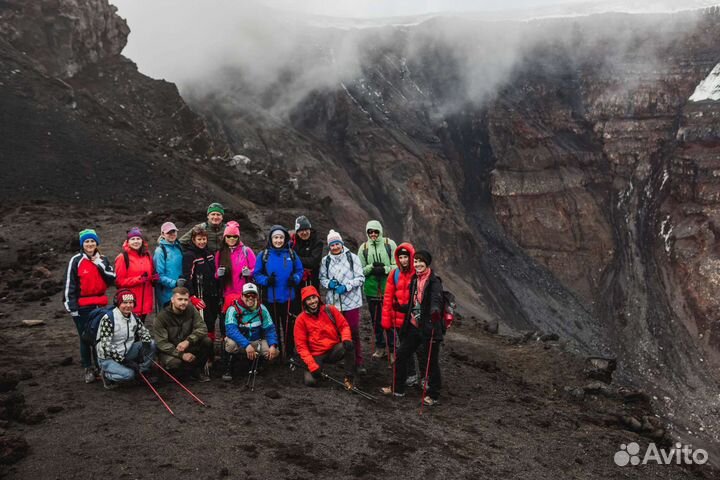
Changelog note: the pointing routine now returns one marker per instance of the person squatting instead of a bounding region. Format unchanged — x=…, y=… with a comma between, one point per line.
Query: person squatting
x=218, y=303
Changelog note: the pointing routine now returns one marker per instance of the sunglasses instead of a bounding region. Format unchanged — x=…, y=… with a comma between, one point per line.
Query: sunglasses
x=376, y=232
x=232, y=236
x=252, y=295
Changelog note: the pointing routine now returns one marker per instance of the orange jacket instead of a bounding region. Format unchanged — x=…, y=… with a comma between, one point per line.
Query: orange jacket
x=317, y=334
x=397, y=296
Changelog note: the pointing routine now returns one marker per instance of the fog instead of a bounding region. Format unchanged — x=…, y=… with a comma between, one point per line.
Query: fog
x=276, y=52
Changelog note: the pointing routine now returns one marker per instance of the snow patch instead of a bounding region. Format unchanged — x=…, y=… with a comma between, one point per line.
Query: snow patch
x=709, y=88
x=666, y=230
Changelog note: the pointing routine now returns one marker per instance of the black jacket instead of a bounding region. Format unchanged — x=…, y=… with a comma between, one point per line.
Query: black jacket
x=310, y=252
x=432, y=304
x=198, y=269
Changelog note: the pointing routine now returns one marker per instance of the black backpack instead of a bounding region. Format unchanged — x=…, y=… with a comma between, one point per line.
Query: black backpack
x=89, y=333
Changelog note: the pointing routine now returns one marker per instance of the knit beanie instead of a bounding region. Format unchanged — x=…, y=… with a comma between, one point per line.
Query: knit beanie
x=402, y=251
x=302, y=223
x=134, y=232
x=88, y=234
x=424, y=256
x=232, y=228
x=215, y=207
x=333, y=237
x=124, y=295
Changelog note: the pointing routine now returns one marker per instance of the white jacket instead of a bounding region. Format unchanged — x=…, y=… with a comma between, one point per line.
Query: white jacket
x=117, y=336
x=339, y=269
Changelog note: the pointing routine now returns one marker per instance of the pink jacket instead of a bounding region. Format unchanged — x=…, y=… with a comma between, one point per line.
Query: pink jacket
x=241, y=256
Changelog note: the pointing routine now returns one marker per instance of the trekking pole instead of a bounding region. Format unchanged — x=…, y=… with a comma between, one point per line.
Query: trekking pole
x=335, y=380
x=394, y=362
x=156, y=393
x=142, y=299
x=200, y=292
x=252, y=373
x=427, y=371
x=287, y=323
x=181, y=385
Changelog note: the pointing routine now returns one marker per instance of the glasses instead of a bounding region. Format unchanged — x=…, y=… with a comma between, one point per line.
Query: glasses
x=233, y=237
x=171, y=232
x=373, y=232
x=250, y=295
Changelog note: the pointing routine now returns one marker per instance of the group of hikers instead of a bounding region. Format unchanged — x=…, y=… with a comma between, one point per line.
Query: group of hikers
x=266, y=305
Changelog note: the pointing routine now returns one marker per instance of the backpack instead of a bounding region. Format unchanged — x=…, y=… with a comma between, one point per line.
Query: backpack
x=348, y=255
x=448, y=309
x=89, y=333
x=388, y=249
x=332, y=319
x=265, y=254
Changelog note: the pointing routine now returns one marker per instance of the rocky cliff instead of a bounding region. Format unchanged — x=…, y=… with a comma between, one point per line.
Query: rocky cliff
x=576, y=195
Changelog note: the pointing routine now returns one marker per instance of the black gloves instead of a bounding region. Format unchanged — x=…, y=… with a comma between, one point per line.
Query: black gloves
x=348, y=345
x=317, y=374
x=378, y=269
x=291, y=281
x=181, y=282
x=271, y=280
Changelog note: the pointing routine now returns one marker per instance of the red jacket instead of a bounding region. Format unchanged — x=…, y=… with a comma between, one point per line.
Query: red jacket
x=397, y=296
x=86, y=283
x=131, y=277
x=317, y=334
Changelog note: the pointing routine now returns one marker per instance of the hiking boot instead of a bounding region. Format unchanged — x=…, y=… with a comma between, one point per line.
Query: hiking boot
x=89, y=375
x=411, y=381
x=430, y=402
x=378, y=353
x=388, y=391
x=348, y=382
x=361, y=370
x=227, y=376
x=203, y=377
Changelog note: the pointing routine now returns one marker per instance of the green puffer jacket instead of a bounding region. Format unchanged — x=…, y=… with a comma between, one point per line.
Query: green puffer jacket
x=381, y=250
x=215, y=236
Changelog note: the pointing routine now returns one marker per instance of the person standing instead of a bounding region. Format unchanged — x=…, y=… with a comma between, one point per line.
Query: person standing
x=134, y=270
x=422, y=329
x=87, y=278
x=377, y=259
x=234, y=262
x=124, y=344
x=181, y=336
x=341, y=274
x=214, y=227
x=279, y=270
x=168, y=263
x=309, y=247
x=199, y=278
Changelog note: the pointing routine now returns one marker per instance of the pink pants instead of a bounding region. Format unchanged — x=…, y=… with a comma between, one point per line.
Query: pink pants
x=353, y=319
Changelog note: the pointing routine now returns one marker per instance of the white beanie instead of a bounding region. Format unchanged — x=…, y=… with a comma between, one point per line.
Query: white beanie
x=334, y=236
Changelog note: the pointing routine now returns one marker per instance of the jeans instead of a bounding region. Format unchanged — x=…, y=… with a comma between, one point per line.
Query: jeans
x=87, y=352
x=117, y=372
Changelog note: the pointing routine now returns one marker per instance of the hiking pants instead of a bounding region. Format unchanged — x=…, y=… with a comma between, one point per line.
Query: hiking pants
x=414, y=341
x=117, y=372
x=353, y=319
x=334, y=355
x=375, y=308
x=284, y=326
x=201, y=351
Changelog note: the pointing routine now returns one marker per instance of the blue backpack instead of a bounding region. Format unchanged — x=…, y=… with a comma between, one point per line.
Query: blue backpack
x=89, y=333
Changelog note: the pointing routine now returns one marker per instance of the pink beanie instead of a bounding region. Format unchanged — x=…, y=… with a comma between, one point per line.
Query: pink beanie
x=232, y=228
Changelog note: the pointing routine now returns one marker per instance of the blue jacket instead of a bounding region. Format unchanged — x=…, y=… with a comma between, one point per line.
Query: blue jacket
x=253, y=325
x=167, y=259
x=280, y=264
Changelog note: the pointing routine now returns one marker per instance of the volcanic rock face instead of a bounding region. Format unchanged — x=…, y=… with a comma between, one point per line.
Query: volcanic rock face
x=577, y=196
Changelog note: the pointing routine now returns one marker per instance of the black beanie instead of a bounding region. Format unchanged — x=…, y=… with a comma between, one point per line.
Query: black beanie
x=302, y=223
x=424, y=256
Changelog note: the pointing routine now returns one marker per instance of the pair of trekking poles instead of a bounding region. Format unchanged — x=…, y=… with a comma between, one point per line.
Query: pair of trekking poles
x=157, y=394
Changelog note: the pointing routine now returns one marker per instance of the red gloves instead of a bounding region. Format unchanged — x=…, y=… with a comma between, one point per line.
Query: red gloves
x=197, y=303
x=307, y=275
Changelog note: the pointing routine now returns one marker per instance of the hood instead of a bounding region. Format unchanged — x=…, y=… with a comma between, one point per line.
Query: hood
x=375, y=225
x=309, y=291
x=269, y=238
x=165, y=242
x=407, y=246
x=126, y=248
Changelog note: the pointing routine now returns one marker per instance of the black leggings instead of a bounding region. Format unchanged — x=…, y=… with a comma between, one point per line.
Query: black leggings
x=284, y=326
